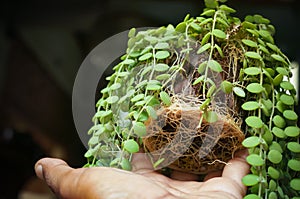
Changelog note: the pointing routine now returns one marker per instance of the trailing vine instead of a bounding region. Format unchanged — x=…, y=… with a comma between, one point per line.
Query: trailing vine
x=208, y=73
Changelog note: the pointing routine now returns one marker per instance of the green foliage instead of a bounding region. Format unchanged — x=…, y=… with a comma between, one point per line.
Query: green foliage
x=259, y=83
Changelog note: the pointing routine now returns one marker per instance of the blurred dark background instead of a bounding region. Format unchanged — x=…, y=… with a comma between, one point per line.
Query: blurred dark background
x=42, y=44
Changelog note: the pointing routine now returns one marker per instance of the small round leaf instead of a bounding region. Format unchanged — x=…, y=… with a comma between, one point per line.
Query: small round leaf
x=287, y=99
x=294, y=165
x=255, y=160
x=255, y=88
x=252, y=196
x=295, y=184
x=250, y=106
x=139, y=129
x=226, y=86
x=254, y=122
x=253, y=55
x=294, y=147
x=250, y=142
x=292, y=131
x=211, y=116
x=274, y=156
x=250, y=180
x=252, y=71
x=290, y=115
x=131, y=146
x=279, y=121
x=274, y=173
x=239, y=91
x=278, y=132
x=162, y=54
x=166, y=99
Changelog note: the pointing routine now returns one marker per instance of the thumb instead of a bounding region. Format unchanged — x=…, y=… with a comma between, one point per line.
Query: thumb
x=56, y=173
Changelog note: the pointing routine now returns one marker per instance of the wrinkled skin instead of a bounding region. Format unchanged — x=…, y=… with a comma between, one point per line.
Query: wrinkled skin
x=142, y=182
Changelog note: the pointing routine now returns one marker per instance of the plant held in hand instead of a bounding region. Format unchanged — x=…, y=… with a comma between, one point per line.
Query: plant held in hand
x=192, y=95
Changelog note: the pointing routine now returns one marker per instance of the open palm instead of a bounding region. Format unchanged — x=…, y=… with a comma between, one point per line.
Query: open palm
x=142, y=182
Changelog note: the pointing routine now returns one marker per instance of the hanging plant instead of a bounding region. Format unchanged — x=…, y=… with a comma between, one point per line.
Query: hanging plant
x=192, y=95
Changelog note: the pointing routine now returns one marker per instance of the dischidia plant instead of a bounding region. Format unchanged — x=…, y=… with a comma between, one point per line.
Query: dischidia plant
x=190, y=96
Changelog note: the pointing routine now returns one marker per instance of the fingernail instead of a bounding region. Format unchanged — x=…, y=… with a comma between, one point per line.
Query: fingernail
x=39, y=171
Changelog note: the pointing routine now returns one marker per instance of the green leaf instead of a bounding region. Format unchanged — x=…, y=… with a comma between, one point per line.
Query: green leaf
x=139, y=129
x=162, y=45
x=250, y=180
x=239, y=91
x=274, y=156
x=161, y=67
x=282, y=70
x=202, y=67
x=210, y=116
x=250, y=43
x=252, y=71
x=205, y=38
x=287, y=99
x=255, y=160
x=287, y=85
x=226, y=86
x=295, y=184
x=204, y=48
x=199, y=79
x=128, y=61
x=210, y=91
x=112, y=99
x=278, y=132
x=137, y=97
x=274, y=173
x=151, y=112
x=294, y=147
x=250, y=142
x=227, y=9
x=278, y=79
x=254, y=122
x=153, y=87
x=93, y=140
x=292, y=131
x=219, y=50
x=125, y=164
x=211, y=3
x=290, y=115
x=253, y=55
x=255, y=88
x=214, y=65
x=163, y=77
x=162, y=54
x=181, y=27
x=278, y=58
x=165, y=98
x=131, y=146
x=252, y=196
x=279, y=121
x=276, y=146
x=250, y=106
x=205, y=104
x=219, y=33
x=294, y=164
x=208, y=13
x=145, y=56
x=272, y=185
x=196, y=26
x=131, y=32
x=115, y=86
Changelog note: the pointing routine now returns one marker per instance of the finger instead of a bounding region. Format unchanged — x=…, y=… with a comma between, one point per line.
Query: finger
x=212, y=175
x=182, y=176
x=57, y=174
x=236, y=169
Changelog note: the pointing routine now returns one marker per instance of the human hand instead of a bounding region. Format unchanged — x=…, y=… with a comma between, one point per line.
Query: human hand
x=142, y=182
